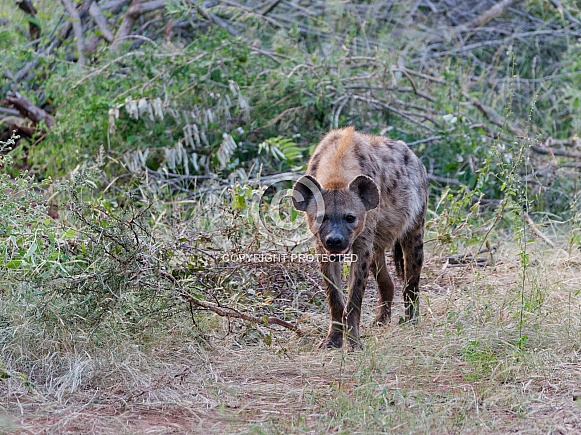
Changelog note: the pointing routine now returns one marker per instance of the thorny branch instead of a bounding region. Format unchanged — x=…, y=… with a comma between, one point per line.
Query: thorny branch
x=229, y=312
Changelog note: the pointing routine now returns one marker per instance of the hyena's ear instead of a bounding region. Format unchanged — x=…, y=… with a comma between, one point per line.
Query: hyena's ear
x=304, y=192
x=366, y=189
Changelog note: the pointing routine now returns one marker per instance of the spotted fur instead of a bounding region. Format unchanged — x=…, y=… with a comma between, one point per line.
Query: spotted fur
x=374, y=192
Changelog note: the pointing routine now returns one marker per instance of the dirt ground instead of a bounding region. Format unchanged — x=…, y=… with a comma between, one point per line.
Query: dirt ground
x=458, y=371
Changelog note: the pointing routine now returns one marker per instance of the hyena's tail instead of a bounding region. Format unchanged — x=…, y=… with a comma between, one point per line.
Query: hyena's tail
x=398, y=258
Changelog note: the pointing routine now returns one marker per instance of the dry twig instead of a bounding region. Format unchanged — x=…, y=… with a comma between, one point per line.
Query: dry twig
x=538, y=232
x=231, y=312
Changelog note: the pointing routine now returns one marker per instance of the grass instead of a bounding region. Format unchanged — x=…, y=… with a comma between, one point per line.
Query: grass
x=497, y=349
x=463, y=369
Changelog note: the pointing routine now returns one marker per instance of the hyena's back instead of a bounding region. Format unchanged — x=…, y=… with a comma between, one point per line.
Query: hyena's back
x=398, y=173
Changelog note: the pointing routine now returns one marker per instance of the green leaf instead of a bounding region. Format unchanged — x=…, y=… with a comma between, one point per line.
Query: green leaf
x=14, y=264
x=69, y=234
x=267, y=339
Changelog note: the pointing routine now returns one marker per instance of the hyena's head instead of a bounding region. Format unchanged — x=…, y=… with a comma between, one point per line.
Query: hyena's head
x=336, y=216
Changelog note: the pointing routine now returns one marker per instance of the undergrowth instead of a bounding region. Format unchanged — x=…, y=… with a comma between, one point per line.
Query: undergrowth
x=237, y=104
x=169, y=157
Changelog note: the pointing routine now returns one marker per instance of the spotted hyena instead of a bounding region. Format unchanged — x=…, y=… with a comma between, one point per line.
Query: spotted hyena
x=364, y=194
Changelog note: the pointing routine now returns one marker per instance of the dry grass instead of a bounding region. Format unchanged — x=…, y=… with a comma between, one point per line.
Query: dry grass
x=463, y=369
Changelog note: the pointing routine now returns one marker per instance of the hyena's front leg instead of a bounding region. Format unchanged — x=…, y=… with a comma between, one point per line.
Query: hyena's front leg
x=357, y=281
x=332, y=281
x=385, y=287
x=413, y=252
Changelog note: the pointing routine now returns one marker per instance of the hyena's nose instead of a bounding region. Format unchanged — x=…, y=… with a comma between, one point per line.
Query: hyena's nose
x=335, y=243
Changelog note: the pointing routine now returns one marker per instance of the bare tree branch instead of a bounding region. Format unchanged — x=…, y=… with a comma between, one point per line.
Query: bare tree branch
x=137, y=8
x=490, y=14
x=231, y=312
x=101, y=21
x=77, y=28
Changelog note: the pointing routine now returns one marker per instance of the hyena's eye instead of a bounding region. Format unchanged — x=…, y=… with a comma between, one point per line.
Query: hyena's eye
x=349, y=218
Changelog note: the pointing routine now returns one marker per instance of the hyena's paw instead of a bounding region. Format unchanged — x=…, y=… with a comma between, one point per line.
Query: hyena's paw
x=355, y=345
x=354, y=339
x=382, y=318
x=408, y=322
x=333, y=341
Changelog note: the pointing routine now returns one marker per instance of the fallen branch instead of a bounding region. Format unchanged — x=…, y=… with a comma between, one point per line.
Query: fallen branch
x=231, y=312
x=269, y=7
x=421, y=75
x=546, y=150
x=137, y=8
x=574, y=142
x=18, y=126
x=490, y=14
x=373, y=101
x=77, y=28
x=101, y=22
x=27, y=109
x=470, y=258
x=203, y=12
x=572, y=165
x=9, y=112
x=115, y=6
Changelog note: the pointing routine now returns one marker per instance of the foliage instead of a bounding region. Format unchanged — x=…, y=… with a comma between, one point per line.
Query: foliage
x=23, y=216
x=171, y=149
x=102, y=263
x=224, y=101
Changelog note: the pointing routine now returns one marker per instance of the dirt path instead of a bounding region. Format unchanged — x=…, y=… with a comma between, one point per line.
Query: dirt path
x=465, y=369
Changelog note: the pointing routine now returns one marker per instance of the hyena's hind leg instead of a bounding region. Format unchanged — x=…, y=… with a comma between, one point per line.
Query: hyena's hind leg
x=385, y=288
x=412, y=251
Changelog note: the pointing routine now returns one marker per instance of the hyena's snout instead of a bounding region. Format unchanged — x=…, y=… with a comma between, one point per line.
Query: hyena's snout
x=336, y=244
x=335, y=234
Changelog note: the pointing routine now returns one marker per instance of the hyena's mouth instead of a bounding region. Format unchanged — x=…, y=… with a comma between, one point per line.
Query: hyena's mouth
x=343, y=252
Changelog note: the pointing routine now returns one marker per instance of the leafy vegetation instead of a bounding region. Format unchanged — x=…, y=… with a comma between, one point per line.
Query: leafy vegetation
x=150, y=165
